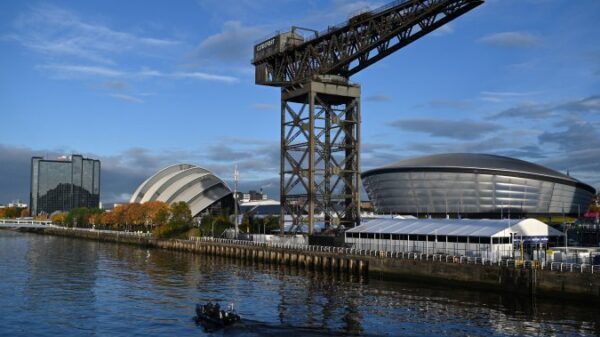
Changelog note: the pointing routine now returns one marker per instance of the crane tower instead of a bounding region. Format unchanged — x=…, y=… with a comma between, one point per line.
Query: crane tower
x=320, y=107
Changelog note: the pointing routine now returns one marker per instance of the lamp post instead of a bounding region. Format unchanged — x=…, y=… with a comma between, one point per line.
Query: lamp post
x=435, y=243
x=236, y=178
x=566, y=231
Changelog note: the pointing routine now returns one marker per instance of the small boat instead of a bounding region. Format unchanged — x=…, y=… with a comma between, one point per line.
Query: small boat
x=211, y=317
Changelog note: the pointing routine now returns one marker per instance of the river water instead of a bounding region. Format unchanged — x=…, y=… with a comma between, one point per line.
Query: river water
x=56, y=286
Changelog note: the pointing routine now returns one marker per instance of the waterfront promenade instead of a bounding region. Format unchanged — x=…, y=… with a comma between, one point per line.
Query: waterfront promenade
x=19, y=223
x=575, y=281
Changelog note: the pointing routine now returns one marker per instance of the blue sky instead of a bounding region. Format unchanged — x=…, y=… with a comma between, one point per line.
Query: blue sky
x=143, y=84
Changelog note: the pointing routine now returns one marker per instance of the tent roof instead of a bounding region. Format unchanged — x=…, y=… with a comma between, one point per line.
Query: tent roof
x=457, y=227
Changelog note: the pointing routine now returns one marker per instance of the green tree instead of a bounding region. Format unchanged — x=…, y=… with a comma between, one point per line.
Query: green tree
x=77, y=217
x=179, y=223
x=214, y=223
x=181, y=215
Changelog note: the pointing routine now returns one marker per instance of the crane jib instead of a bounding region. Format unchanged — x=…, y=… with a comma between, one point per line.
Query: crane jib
x=343, y=50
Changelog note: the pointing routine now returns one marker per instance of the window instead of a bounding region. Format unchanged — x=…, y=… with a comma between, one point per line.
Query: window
x=452, y=238
x=385, y=236
x=503, y=240
x=461, y=239
x=484, y=240
x=395, y=236
x=403, y=237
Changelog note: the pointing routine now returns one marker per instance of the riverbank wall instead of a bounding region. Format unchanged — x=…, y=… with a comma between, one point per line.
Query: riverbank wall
x=583, y=284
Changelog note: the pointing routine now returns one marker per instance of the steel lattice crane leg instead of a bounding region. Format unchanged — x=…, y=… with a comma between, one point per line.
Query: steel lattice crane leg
x=320, y=153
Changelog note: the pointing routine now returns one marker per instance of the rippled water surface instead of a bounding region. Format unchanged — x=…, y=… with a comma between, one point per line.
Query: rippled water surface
x=55, y=286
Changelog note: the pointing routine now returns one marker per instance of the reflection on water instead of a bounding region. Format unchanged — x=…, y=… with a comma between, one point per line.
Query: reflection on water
x=59, y=286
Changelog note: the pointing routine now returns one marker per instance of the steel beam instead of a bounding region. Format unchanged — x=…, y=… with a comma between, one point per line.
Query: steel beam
x=320, y=153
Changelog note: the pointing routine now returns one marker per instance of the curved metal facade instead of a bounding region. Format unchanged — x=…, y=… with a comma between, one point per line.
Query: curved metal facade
x=438, y=185
x=196, y=186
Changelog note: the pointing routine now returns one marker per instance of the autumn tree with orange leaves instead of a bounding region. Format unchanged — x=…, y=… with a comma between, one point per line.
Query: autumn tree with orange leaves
x=156, y=214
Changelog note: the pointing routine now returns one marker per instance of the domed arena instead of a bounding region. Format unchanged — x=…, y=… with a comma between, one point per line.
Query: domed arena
x=196, y=186
x=474, y=185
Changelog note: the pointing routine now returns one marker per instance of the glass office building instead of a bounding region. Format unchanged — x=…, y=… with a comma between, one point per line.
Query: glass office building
x=474, y=185
x=61, y=185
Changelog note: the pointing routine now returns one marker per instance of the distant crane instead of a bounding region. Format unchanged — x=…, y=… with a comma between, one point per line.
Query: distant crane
x=320, y=107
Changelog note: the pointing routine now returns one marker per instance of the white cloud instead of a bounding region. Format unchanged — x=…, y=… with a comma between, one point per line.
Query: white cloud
x=501, y=96
x=56, y=32
x=264, y=106
x=446, y=29
x=69, y=71
x=127, y=98
x=511, y=40
x=233, y=44
x=206, y=77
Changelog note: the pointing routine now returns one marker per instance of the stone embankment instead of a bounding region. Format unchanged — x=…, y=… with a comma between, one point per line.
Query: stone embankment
x=581, y=282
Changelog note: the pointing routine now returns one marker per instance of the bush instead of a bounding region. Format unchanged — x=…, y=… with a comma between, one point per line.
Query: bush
x=171, y=231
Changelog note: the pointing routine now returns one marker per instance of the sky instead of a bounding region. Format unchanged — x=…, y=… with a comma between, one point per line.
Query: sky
x=143, y=84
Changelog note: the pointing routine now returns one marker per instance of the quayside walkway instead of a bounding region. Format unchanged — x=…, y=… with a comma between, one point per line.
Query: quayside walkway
x=581, y=281
x=19, y=223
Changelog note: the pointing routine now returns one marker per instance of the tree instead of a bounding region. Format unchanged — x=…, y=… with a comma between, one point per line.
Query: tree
x=271, y=223
x=24, y=213
x=59, y=218
x=10, y=212
x=120, y=219
x=156, y=213
x=134, y=215
x=181, y=215
x=77, y=217
x=95, y=216
x=41, y=217
x=179, y=223
x=108, y=219
x=595, y=205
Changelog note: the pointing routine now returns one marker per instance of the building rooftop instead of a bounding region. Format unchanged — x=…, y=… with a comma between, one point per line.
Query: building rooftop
x=476, y=160
x=457, y=227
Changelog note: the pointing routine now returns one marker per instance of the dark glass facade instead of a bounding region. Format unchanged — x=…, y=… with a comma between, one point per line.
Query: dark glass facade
x=61, y=185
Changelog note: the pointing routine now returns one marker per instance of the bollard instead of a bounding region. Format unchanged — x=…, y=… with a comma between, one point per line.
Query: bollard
x=362, y=267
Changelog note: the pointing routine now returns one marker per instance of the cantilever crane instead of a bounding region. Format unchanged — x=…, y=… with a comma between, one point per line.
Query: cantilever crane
x=320, y=108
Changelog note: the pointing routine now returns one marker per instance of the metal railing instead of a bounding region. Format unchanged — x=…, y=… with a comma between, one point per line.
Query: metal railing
x=108, y=231
x=441, y=258
x=337, y=26
x=25, y=222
